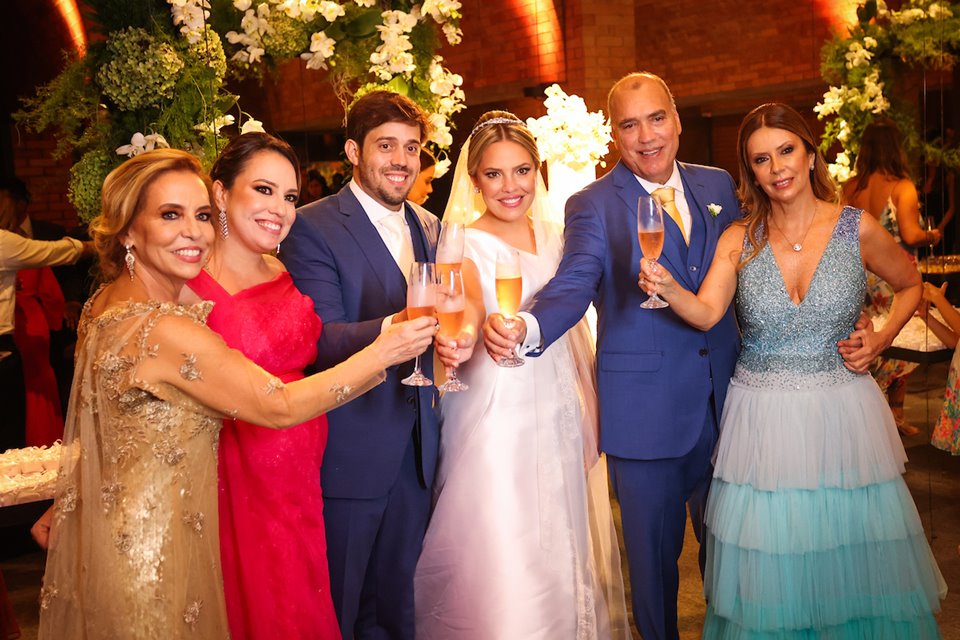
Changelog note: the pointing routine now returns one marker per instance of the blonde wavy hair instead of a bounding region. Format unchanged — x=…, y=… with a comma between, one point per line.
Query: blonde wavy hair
x=124, y=192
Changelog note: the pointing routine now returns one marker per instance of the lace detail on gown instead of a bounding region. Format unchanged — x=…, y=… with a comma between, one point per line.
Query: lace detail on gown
x=134, y=549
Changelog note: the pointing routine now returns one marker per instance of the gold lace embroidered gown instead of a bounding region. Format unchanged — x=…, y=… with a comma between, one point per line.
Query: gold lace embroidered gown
x=134, y=551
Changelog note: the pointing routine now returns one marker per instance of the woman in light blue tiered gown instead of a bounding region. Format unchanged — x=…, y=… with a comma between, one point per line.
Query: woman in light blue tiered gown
x=812, y=532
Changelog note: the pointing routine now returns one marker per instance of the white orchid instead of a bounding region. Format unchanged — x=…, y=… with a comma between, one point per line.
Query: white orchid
x=140, y=143
x=840, y=169
x=331, y=10
x=939, y=11
x=322, y=48
x=442, y=167
x=252, y=126
x=191, y=16
x=857, y=55
x=570, y=134
x=242, y=5
x=441, y=10
x=365, y=3
x=218, y=123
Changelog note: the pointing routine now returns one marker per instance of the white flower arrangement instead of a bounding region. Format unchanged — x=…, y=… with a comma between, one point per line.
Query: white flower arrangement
x=217, y=124
x=269, y=26
x=714, y=209
x=140, y=143
x=863, y=83
x=570, y=134
x=251, y=126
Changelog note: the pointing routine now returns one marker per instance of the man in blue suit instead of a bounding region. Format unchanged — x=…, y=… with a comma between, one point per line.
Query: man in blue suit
x=351, y=252
x=661, y=383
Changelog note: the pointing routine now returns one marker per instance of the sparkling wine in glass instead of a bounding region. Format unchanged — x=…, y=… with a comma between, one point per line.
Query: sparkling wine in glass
x=450, y=247
x=650, y=234
x=509, y=292
x=421, y=301
x=450, y=306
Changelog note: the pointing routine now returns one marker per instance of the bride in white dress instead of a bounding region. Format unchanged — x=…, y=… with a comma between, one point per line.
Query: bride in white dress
x=520, y=544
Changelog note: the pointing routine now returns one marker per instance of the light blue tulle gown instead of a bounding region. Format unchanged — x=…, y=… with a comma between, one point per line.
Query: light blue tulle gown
x=812, y=532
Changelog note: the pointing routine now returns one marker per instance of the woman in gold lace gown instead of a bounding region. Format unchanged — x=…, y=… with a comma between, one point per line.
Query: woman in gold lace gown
x=134, y=549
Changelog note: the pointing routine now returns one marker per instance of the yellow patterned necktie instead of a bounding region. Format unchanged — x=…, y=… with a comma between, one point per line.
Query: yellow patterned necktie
x=665, y=196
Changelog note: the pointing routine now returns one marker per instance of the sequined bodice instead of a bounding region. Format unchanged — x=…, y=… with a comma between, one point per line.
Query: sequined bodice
x=786, y=345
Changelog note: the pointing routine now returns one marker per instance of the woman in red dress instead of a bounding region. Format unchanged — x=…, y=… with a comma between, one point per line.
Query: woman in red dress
x=272, y=540
x=39, y=311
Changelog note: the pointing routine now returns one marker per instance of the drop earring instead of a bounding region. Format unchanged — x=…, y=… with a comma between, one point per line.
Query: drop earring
x=130, y=260
x=224, y=231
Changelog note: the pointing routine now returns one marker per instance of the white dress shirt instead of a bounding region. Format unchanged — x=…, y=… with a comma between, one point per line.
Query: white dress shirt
x=17, y=252
x=402, y=250
x=679, y=198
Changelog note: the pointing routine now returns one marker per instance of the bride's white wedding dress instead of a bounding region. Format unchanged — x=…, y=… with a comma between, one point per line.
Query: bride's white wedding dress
x=508, y=553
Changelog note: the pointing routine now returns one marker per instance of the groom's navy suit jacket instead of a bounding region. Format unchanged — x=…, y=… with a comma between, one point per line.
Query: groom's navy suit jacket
x=337, y=258
x=656, y=375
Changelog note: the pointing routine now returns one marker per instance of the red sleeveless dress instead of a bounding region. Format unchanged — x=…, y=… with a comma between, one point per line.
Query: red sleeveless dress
x=272, y=542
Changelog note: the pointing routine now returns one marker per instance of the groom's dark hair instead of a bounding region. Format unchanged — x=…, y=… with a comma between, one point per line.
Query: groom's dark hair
x=379, y=107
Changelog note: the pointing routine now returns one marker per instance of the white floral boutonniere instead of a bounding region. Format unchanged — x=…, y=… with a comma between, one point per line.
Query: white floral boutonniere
x=714, y=209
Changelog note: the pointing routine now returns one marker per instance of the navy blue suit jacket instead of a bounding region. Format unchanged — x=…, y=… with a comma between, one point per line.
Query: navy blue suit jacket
x=655, y=373
x=337, y=258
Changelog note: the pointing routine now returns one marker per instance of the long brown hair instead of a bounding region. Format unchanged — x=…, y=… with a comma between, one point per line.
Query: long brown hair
x=881, y=152
x=755, y=202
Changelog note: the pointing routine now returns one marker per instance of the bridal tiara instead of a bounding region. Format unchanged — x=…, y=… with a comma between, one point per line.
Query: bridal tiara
x=493, y=121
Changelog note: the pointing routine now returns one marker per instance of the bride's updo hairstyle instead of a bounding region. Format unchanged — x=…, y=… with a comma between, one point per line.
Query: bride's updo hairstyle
x=124, y=191
x=499, y=126
x=753, y=199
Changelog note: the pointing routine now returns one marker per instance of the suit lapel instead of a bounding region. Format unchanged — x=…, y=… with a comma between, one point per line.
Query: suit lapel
x=674, y=254
x=375, y=252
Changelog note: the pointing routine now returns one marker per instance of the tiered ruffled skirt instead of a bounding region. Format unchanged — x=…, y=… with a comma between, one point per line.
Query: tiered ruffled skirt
x=812, y=532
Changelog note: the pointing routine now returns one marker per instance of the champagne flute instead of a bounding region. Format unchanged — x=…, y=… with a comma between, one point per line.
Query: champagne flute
x=450, y=306
x=450, y=247
x=509, y=292
x=421, y=301
x=650, y=234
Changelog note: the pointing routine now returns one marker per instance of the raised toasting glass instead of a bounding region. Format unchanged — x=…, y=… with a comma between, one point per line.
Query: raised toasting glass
x=421, y=301
x=650, y=234
x=509, y=292
x=450, y=247
x=450, y=306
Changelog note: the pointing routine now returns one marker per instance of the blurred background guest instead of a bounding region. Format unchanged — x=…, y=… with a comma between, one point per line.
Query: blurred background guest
x=423, y=185
x=18, y=252
x=314, y=187
x=938, y=192
x=882, y=186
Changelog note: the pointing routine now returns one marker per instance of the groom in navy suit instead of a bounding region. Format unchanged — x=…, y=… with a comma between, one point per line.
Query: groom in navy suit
x=351, y=253
x=661, y=383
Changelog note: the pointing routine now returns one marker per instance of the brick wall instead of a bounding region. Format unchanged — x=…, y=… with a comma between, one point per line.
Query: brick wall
x=45, y=177
x=721, y=58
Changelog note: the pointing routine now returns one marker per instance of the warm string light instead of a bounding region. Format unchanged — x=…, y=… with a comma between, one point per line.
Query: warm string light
x=71, y=16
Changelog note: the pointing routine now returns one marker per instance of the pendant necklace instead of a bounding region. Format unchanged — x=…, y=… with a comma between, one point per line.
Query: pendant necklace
x=796, y=246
